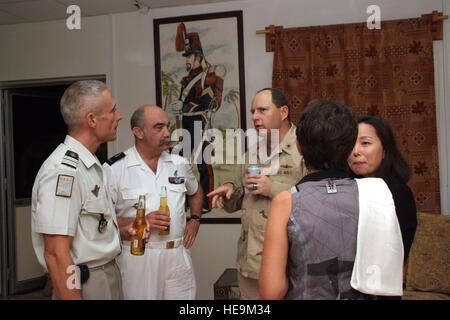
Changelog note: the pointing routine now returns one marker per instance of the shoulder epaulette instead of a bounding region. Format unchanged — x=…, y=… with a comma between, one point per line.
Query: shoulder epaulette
x=115, y=158
x=70, y=159
x=211, y=78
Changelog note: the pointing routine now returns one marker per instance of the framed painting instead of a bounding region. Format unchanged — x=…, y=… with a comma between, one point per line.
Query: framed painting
x=200, y=83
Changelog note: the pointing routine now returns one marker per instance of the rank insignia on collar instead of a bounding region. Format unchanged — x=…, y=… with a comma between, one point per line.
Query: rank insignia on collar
x=95, y=191
x=115, y=158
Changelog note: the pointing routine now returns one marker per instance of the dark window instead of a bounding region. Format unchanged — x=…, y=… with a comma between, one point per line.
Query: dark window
x=38, y=128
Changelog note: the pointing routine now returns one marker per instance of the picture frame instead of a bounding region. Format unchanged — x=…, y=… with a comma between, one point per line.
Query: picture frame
x=218, y=39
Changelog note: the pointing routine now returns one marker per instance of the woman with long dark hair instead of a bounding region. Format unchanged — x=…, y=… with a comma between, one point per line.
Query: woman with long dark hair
x=375, y=154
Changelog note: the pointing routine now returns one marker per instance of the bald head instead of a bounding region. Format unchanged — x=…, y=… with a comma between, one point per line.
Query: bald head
x=279, y=99
x=150, y=126
x=138, y=117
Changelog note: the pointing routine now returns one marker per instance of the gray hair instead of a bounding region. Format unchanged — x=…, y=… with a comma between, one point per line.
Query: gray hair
x=138, y=119
x=76, y=101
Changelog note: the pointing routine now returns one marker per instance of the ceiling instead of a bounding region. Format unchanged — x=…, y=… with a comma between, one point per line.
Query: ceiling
x=23, y=11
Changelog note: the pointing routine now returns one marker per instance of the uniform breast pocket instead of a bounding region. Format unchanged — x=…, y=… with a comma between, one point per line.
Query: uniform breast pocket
x=177, y=188
x=175, y=197
x=131, y=196
x=96, y=206
x=95, y=218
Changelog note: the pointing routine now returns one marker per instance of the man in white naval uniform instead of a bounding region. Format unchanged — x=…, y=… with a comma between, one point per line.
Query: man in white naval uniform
x=74, y=226
x=165, y=271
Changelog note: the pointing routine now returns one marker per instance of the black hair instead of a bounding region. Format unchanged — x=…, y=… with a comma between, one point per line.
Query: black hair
x=326, y=131
x=394, y=167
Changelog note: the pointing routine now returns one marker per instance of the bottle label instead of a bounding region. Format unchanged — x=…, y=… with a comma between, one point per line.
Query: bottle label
x=143, y=239
x=136, y=243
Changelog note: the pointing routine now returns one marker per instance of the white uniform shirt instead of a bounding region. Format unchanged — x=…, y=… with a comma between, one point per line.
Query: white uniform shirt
x=130, y=177
x=69, y=195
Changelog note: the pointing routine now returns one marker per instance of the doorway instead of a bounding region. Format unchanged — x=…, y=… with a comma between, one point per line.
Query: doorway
x=32, y=128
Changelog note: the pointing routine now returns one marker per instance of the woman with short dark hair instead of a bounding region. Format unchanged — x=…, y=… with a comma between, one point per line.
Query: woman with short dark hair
x=311, y=233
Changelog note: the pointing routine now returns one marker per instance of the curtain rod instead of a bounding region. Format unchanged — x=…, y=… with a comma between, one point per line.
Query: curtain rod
x=269, y=30
x=436, y=16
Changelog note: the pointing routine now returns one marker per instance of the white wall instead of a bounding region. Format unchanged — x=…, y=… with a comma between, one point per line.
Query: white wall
x=121, y=47
x=49, y=50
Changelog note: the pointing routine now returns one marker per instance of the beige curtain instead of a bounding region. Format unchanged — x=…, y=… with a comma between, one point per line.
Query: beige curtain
x=386, y=72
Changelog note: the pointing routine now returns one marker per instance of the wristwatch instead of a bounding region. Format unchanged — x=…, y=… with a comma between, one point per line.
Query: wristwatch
x=196, y=217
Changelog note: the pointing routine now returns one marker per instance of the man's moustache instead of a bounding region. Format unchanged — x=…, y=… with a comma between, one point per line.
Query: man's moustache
x=164, y=141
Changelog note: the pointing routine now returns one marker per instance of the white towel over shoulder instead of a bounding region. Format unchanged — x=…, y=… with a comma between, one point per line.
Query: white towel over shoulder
x=378, y=267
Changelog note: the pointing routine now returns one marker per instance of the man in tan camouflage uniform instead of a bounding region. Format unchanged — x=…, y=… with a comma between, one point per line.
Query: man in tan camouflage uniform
x=282, y=169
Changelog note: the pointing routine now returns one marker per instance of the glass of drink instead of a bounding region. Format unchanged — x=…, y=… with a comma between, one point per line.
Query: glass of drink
x=253, y=170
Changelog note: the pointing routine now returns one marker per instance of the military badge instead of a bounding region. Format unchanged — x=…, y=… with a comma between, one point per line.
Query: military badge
x=64, y=186
x=175, y=179
x=95, y=191
x=102, y=224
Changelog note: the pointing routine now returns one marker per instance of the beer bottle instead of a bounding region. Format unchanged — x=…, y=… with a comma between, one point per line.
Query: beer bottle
x=140, y=225
x=164, y=207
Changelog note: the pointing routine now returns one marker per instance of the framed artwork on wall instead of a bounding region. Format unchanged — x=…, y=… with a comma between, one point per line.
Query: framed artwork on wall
x=200, y=83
